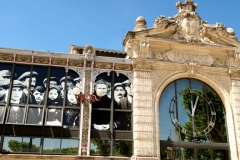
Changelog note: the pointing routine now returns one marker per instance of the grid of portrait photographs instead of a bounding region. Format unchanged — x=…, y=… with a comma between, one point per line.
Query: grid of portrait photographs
x=38, y=95
x=117, y=102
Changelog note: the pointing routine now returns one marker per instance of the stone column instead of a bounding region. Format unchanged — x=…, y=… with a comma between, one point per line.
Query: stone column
x=143, y=110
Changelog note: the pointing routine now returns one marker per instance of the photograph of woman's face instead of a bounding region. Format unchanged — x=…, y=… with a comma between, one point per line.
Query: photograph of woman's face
x=71, y=97
x=53, y=94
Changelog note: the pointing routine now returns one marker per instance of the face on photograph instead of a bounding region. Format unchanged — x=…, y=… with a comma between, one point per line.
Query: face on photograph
x=53, y=94
x=33, y=83
x=71, y=97
x=53, y=83
x=16, y=93
x=102, y=87
x=119, y=93
x=38, y=96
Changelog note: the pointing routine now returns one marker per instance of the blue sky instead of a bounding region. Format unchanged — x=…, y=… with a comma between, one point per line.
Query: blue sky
x=54, y=25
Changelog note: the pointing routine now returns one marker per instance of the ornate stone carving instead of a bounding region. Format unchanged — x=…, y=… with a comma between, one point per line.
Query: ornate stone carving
x=178, y=57
x=161, y=55
x=6, y=57
x=43, y=60
x=145, y=50
x=219, y=62
x=89, y=52
x=132, y=50
x=191, y=68
x=140, y=24
x=236, y=56
x=234, y=73
x=27, y=59
x=61, y=62
x=125, y=67
x=143, y=65
x=75, y=63
x=103, y=65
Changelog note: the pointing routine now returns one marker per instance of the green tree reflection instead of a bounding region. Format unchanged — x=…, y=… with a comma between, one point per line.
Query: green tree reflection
x=201, y=121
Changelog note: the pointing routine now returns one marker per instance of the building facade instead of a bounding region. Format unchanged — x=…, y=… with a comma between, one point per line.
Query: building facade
x=173, y=94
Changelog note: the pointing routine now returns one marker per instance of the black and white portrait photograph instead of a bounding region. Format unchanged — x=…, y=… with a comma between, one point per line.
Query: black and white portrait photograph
x=54, y=117
x=34, y=115
x=71, y=117
x=16, y=114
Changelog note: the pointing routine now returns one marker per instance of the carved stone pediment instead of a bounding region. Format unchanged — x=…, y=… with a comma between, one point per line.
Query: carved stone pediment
x=187, y=26
x=143, y=65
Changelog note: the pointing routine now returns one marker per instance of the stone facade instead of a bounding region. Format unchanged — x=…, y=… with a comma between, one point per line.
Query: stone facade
x=184, y=46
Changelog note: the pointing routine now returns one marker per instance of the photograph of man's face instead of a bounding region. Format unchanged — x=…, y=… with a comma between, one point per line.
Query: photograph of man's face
x=33, y=83
x=38, y=96
x=119, y=93
x=52, y=83
x=16, y=93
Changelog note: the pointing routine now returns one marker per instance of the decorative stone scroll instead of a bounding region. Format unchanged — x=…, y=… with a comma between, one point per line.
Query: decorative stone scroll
x=6, y=57
x=27, y=59
x=143, y=65
x=187, y=57
x=42, y=60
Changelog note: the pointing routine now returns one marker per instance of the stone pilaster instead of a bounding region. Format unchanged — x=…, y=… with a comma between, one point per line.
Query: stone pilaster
x=235, y=97
x=143, y=111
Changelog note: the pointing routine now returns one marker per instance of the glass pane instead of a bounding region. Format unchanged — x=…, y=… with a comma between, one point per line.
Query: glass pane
x=219, y=154
x=124, y=148
x=2, y=113
x=167, y=128
x=16, y=114
x=5, y=76
x=69, y=146
x=12, y=144
x=172, y=153
x=102, y=84
x=34, y=115
x=122, y=120
x=100, y=147
x=55, y=94
x=51, y=145
x=39, y=87
x=100, y=120
x=71, y=117
x=31, y=144
x=22, y=84
x=196, y=115
x=54, y=117
x=122, y=92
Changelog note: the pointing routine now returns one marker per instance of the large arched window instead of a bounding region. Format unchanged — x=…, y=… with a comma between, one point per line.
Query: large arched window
x=192, y=122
